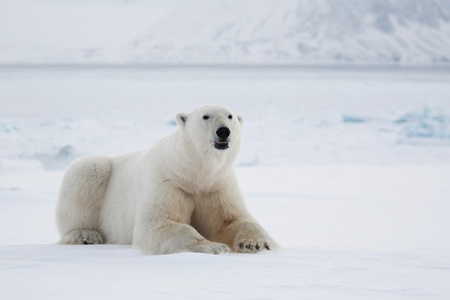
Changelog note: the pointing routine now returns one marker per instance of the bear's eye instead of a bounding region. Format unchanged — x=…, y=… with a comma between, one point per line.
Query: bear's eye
x=230, y=117
x=205, y=117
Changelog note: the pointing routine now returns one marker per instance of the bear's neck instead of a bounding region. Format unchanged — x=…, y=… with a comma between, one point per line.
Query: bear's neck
x=200, y=173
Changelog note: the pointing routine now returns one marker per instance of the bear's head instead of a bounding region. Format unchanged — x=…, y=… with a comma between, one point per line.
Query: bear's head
x=212, y=130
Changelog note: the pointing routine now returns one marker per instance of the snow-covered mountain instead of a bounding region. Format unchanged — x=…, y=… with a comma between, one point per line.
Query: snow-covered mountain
x=295, y=31
x=405, y=32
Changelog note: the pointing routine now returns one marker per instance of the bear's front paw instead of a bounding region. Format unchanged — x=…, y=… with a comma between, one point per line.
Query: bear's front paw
x=209, y=247
x=253, y=246
x=251, y=238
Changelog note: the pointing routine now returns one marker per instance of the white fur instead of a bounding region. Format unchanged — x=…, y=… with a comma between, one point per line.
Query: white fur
x=181, y=195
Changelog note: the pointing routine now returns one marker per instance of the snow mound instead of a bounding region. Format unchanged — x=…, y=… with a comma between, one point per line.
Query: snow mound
x=8, y=128
x=427, y=124
x=57, y=157
x=354, y=119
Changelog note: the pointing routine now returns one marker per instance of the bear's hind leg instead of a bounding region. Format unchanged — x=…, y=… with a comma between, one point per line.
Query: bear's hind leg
x=80, y=198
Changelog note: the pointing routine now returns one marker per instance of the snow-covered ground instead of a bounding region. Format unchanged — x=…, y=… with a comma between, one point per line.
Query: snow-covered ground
x=348, y=169
x=348, y=232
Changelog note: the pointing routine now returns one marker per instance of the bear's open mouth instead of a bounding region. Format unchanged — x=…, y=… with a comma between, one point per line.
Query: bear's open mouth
x=221, y=144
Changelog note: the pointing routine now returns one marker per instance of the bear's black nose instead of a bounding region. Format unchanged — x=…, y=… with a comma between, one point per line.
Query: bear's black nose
x=223, y=132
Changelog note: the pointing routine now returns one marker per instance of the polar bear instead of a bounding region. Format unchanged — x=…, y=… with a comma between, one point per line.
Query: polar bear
x=180, y=196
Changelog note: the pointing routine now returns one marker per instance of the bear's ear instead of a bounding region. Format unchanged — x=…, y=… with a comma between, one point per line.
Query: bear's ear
x=241, y=119
x=181, y=119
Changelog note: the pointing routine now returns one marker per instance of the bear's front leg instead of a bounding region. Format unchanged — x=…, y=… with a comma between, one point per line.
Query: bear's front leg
x=224, y=218
x=162, y=225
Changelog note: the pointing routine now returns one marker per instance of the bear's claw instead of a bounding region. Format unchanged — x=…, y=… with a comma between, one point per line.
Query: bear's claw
x=249, y=246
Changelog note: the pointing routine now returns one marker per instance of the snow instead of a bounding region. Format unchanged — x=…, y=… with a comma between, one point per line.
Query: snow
x=360, y=210
x=348, y=233
x=312, y=103
x=370, y=32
